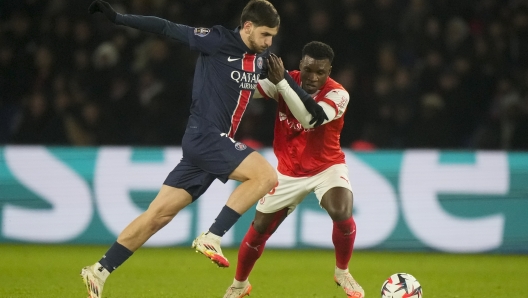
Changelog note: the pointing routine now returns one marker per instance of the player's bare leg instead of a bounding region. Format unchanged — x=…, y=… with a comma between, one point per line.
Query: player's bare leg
x=258, y=177
x=161, y=211
x=338, y=202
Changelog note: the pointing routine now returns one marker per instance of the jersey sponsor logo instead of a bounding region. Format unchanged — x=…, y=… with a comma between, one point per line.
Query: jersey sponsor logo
x=246, y=80
x=294, y=124
x=259, y=62
x=229, y=59
x=240, y=146
x=201, y=31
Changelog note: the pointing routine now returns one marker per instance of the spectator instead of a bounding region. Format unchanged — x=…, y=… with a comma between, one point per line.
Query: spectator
x=405, y=63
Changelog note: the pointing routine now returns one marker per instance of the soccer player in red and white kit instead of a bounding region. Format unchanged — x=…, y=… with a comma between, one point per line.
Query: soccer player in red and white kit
x=310, y=160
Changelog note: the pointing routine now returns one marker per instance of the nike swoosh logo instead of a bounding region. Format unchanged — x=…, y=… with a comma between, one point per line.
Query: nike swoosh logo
x=229, y=59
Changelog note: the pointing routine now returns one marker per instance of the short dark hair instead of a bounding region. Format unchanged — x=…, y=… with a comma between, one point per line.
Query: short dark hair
x=318, y=50
x=260, y=13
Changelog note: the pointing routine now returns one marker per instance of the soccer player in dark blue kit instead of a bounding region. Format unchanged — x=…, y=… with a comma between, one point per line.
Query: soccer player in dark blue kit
x=227, y=71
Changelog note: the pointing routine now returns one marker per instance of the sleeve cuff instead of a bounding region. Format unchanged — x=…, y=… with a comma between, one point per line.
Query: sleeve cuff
x=282, y=85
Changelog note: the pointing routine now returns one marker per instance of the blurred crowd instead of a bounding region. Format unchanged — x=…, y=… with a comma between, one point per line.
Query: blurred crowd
x=444, y=74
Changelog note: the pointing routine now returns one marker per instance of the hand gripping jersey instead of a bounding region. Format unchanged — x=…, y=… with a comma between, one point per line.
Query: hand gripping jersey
x=226, y=72
x=305, y=152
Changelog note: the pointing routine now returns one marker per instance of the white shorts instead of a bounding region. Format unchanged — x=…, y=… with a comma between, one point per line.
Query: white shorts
x=290, y=191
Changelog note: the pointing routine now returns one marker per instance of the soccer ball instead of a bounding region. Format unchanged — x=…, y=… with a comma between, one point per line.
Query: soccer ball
x=401, y=285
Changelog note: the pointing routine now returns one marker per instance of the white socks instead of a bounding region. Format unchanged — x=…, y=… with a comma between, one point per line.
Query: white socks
x=101, y=271
x=240, y=284
x=339, y=272
x=213, y=237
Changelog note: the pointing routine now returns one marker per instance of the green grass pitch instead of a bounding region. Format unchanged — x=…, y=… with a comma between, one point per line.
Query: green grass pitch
x=53, y=271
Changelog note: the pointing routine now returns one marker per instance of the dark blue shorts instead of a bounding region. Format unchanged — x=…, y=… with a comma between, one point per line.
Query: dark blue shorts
x=207, y=155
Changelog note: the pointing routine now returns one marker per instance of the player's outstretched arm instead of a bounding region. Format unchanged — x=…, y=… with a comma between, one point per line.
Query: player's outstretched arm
x=143, y=23
x=316, y=110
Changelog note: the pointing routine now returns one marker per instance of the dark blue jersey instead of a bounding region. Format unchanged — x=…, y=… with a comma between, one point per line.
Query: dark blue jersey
x=226, y=73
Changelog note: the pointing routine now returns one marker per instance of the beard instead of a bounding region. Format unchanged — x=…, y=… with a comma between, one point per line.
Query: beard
x=253, y=45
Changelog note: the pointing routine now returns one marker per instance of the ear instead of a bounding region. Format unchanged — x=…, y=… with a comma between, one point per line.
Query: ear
x=300, y=63
x=248, y=26
x=330, y=70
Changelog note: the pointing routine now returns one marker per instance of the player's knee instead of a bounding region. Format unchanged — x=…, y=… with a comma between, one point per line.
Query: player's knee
x=266, y=223
x=339, y=214
x=266, y=227
x=155, y=223
x=268, y=177
x=158, y=218
x=271, y=181
x=260, y=226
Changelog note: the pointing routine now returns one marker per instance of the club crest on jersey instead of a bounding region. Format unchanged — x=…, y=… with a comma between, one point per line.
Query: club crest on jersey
x=240, y=146
x=259, y=62
x=201, y=31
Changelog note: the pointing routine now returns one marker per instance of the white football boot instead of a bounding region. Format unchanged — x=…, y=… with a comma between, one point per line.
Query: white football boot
x=234, y=292
x=94, y=278
x=208, y=244
x=349, y=284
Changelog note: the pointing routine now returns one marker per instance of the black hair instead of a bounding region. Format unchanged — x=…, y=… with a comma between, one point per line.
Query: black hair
x=260, y=13
x=318, y=50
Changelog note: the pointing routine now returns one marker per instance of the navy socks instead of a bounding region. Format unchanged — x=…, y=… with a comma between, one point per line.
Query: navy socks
x=116, y=255
x=225, y=220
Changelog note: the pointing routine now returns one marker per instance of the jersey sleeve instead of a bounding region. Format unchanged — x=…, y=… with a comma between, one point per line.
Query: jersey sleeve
x=206, y=40
x=338, y=99
x=267, y=89
x=155, y=25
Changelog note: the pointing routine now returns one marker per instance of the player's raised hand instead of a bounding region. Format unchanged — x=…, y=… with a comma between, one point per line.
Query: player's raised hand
x=103, y=7
x=275, y=69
